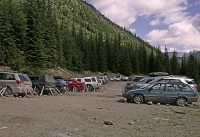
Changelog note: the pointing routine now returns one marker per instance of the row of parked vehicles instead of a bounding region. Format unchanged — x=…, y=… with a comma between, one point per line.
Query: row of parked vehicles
x=165, y=89
x=12, y=83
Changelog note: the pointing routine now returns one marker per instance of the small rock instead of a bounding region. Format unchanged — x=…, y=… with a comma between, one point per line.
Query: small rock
x=3, y=128
x=131, y=123
x=122, y=100
x=94, y=118
x=150, y=103
x=99, y=108
x=158, y=103
x=179, y=112
x=108, y=123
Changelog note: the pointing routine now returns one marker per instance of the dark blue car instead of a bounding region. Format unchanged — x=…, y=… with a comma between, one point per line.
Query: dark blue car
x=170, y=93
x=61, y=84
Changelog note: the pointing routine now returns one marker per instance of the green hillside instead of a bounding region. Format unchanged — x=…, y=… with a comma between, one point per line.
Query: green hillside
x=36, y=35
x=87, y=17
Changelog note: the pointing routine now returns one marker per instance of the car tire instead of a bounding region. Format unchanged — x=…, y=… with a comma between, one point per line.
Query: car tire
x=138, y=99
x=128, y=100
x=181, y=102
x=8, y=92
x=90, y=88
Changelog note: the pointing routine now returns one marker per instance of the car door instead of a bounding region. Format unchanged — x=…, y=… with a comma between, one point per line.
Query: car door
x=155, y=92
x=171, y=93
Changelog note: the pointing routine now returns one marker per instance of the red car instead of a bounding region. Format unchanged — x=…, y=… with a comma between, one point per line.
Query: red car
x=74, y=84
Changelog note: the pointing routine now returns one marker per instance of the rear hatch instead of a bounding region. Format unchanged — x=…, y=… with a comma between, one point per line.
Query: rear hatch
x=192, y=83
x=25, y=80
x=49, y=81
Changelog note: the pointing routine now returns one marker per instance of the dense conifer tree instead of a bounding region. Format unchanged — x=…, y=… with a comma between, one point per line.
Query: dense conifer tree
x=39, y=34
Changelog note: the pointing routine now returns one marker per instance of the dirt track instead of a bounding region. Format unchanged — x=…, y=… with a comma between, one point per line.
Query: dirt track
x=84, y=116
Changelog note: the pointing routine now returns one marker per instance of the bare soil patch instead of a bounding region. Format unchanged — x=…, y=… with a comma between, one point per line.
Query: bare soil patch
x=91, y=115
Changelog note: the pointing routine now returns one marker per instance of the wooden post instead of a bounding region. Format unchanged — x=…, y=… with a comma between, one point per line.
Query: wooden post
x=30, y=91
x=3, y=91
x=51, y=92
x=86, y=88
x=41, y=93
x=58, y=91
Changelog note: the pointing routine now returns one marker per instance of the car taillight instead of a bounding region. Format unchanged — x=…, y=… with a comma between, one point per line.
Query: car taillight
x=18, y=82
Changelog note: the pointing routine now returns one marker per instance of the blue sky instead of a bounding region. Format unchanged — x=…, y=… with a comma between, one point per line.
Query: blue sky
x=171, y=23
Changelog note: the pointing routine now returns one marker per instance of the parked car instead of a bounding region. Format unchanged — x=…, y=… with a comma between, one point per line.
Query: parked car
x=141, y=83
x=135, y=78
x=16, y=83
x=103, y=79
x=151, y=80
x=124, y=78
x=45, y=81
x=117, y=78
x=75, y=85
x=61, y=84
x=171, y=93
x=90, y=82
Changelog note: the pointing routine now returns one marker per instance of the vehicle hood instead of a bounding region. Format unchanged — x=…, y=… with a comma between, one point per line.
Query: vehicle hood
x=134, y=91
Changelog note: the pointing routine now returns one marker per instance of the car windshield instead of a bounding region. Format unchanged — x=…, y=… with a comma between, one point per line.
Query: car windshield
x=87, y=80
x=93, y=79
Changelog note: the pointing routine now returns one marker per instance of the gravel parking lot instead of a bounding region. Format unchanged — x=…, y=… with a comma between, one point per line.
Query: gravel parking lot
x=86, y=115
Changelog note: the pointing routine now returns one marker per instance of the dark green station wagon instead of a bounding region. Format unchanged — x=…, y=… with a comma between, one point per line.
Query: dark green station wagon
x=168, y=93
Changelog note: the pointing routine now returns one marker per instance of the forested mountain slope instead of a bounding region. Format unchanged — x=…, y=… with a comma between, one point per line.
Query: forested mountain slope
x=39, y=34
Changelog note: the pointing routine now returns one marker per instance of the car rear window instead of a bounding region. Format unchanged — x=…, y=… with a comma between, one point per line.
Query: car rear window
x=93, y=79
x=49, y=78
x=79, y=80
x=184, y=87
x=24, y=77
x=190, y=81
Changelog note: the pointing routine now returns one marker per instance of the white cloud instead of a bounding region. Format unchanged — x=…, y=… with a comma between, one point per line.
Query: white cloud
x=182, y=31
x=126, y=12
x=182, y=35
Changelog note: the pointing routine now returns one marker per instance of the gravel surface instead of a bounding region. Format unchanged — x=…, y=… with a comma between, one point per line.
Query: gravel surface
x=102, y=114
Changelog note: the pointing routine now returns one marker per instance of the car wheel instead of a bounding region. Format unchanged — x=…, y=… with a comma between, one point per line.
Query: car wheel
x=128, y=100
x=138, y=99
x=8, y=92
x=90, y=88
x=181, y=102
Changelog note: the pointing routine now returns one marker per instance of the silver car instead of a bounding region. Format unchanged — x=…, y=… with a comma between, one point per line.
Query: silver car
x=14, y=83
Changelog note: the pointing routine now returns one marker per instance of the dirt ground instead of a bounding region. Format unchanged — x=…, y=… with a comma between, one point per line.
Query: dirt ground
x=84, y=116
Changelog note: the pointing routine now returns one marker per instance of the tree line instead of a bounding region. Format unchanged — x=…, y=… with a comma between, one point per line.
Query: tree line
x=33, y=39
